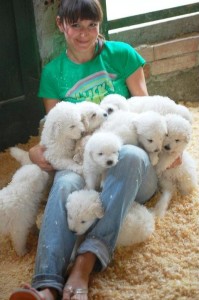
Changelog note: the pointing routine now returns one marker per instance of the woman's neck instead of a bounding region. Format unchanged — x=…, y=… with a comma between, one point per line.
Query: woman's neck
x=80, y=57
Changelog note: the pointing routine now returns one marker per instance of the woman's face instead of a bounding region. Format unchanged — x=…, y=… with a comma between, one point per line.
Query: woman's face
x=80, y=36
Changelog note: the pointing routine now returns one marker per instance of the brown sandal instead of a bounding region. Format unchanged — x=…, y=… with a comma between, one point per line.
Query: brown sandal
x=26, y=294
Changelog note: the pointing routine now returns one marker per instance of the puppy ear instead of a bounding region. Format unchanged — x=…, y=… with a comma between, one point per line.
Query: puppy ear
x=85, y=121
x=91, y=154
x=97, y=210
x=56, y=129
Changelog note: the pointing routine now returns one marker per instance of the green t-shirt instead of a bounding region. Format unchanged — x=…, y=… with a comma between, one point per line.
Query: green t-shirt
x=106, y=74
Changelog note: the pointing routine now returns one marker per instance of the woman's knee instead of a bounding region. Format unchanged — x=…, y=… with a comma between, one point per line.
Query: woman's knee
x=68, y=181
x=131, y=153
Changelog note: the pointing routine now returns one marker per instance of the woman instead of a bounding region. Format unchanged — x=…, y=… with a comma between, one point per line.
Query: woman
x=90, y=69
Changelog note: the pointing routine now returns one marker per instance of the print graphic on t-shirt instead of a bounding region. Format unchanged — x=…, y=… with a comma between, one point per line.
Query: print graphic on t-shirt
x=92, y=88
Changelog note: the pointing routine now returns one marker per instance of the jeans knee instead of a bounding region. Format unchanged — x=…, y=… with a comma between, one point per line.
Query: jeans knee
x=131, y=153
x=68, y=181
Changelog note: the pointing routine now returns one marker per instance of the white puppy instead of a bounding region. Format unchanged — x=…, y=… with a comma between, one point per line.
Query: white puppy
x=147, y=129
x=114, y=102
x=79, y=149
x=122, y=124
x=138, y=226
x=19, y=203
x=151, y=129
x=101, y=152
x=92, y=115
x=182, y=177
x=160, y=104
x=84, y=208
x=62, y=128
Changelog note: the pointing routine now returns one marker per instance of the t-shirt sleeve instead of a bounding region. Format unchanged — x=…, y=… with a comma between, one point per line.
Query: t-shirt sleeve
x=132, y=60
x=48, y=87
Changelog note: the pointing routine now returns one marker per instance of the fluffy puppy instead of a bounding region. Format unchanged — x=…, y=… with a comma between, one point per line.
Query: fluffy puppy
x=19, y=202
x=114, y=102
x=101, y=152
x=147, y=130
x=79, y=149
x=160, y=104
x=62, y=128
x=92, y=115
x=182, y=177
x=151, y=129
x=138, y=226
x=122, y=123
x=84, y=208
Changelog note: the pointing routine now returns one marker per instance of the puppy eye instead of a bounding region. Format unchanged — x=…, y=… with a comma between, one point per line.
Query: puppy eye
x=83, y=222
x=150, y=141
x=93, y=116
x=177, y=141
x=110, y=111
x=100, y=154
x=72, y=126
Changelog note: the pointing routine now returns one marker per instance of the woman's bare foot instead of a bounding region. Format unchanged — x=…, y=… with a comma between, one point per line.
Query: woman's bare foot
x=76, y=287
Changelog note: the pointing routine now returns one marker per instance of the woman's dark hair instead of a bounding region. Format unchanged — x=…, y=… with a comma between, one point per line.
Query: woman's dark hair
x=73, y=10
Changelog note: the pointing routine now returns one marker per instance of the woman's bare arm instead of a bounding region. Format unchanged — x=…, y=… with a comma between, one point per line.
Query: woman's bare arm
x=136, y=83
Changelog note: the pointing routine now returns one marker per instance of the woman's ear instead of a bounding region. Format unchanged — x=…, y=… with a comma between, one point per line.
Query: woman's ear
x=59, y=24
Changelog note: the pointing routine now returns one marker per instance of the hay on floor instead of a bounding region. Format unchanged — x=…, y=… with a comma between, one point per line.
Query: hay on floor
x=164, y=267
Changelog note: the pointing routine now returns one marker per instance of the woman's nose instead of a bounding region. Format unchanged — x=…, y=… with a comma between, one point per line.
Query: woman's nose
x=84, y=31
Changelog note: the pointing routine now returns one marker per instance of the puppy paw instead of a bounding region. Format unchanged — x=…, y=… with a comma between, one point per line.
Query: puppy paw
x=158, y=211
x=21, y=251
x=78, y=169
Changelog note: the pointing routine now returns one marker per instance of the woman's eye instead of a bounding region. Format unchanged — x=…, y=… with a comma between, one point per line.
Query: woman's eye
x=75, y=25
x=93, y=25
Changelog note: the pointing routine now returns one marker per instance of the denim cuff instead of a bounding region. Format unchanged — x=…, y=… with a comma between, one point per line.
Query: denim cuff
x=48, y=281
x=99, y=248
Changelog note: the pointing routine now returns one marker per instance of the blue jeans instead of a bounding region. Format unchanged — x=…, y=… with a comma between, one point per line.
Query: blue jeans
x=133, y=178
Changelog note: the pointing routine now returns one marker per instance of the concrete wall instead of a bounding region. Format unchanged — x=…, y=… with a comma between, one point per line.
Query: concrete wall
x=171, y=49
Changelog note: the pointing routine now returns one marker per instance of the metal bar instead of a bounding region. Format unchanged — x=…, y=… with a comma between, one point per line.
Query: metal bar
x=12, y=100
x=152, y=16
x=104, y=25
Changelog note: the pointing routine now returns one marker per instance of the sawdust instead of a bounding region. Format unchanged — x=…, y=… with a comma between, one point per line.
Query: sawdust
x=165, y=267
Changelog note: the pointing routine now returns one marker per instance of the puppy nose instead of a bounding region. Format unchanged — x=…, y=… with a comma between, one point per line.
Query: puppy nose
x=105, y=115
x=109, y=162
x=167, y=147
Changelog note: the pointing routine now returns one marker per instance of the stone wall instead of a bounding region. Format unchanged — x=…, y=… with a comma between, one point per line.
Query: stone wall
x=172, y=67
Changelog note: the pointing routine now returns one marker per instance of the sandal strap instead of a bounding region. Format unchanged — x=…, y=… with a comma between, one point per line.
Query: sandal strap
x=74, y=291
x=80, y=291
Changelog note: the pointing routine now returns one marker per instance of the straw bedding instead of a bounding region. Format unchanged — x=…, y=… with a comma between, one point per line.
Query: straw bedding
x=164, y=267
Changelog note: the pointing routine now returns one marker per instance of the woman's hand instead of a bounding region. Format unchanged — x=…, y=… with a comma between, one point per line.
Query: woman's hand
x=176, y=163
x=36, y=155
